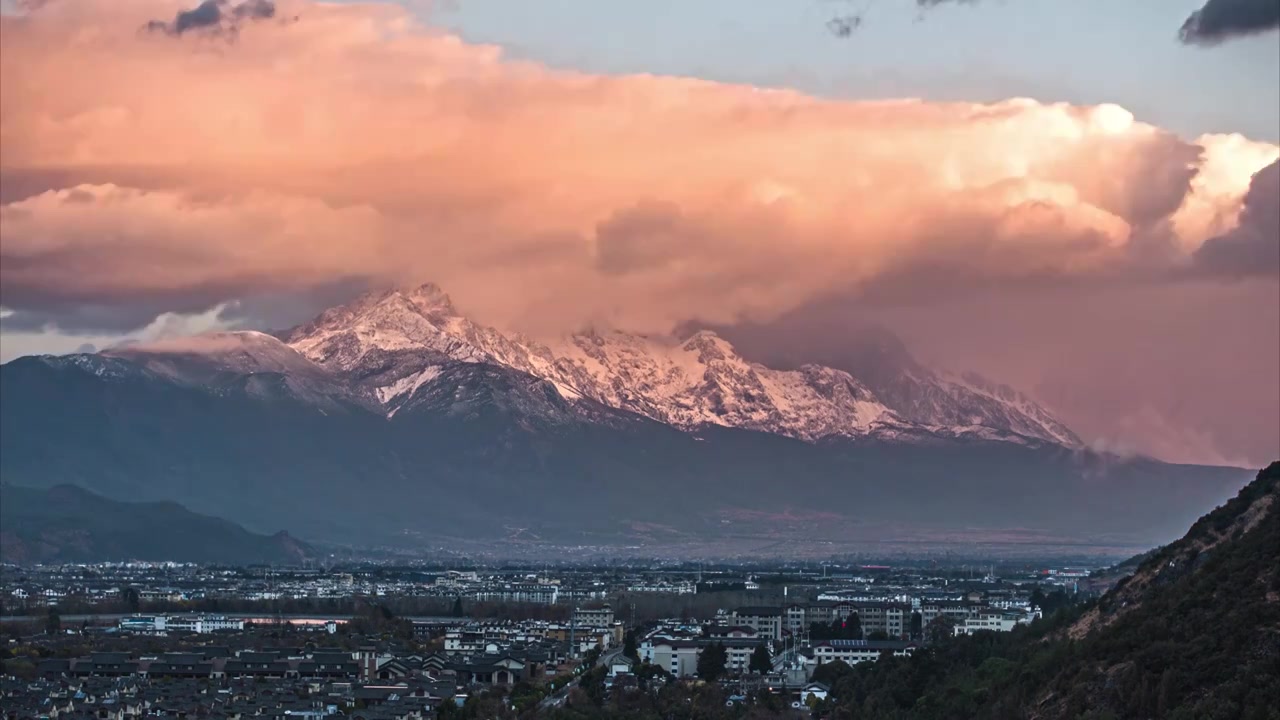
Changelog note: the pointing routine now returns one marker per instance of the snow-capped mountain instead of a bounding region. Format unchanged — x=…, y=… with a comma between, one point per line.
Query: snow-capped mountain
x=396, y=417
x=920, y=394
x=394, y=343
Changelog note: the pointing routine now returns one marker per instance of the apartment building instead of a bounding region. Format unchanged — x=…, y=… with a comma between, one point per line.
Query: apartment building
x=766, y=621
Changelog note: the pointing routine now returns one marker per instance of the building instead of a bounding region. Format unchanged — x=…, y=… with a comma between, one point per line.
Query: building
x=679, y=656
x=957, y=611
x=814, y=692
x=166, y=624
x=766, y=621
x=143, y=624
x=856, y=651
x=892, y=619
x=601, y=617
x=991, y=619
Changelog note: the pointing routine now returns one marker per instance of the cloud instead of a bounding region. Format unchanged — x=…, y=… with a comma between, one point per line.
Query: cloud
x=1184, y=371
x=1217, y=21
x=16, y=342
x=102, y=257
x=1221, y=20
x=1253, y=246
x=215, y=15
x=358, y=143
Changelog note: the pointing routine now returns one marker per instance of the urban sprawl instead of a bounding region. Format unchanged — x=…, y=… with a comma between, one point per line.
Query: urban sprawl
x=135, y=640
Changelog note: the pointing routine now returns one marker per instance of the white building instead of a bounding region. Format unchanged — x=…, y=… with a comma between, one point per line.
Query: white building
x=165, y=624
x=601, y=617
x=993, y=619
x=856, y=651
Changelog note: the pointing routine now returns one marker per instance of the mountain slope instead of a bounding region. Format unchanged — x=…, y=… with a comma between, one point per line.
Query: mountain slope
x=392, y=342
x=68, y=524
x=478, y=450
x=913, y=391
x=1193, y=633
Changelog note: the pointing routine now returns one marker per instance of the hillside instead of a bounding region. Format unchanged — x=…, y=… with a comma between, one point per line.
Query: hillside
x=69, y=524
x=1193, y=633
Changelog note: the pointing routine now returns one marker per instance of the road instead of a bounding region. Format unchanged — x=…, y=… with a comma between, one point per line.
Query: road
x=556, y=699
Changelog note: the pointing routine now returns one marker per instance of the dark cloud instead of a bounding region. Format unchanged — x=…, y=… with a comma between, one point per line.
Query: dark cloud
x=1217, y=21
x=247, y=302
x=242, y=305
x=646, y=236
x=103, y=315
x=844, y=25
x=1221, y=20
x=1253, y=247
x=206, y=14
x=283, y=309
x=255, y=9
x=215, y=15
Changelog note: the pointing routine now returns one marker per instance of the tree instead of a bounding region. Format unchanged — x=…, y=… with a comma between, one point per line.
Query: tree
x=846, y=628
x=712, y=661
x=53, y=621
x=131, y=599
x=830, y=673
x=761, y=662
x=853, y=627
x=629, y=647
x=457, y=607
x=917, y=625
x=940, y=629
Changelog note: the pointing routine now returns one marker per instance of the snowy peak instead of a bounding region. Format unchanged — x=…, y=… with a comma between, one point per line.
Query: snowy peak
x=431, y=300
x=418, y=319
x=396, y=345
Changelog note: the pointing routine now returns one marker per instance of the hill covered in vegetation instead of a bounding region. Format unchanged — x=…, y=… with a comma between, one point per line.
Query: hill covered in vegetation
x=1194, y=632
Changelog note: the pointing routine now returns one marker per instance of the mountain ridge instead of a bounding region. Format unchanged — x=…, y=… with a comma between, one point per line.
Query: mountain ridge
x=394, y=419
x=392, y=342
x=66, y=523
x=481, y=447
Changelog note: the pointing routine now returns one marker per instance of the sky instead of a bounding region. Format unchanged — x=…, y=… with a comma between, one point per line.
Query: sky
x=1078, y=198
x=1079, y=51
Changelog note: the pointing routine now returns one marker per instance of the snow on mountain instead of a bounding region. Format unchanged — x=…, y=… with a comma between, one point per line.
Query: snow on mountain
x=263, y=363
x=1003, y=406
x=394, y=343
x=918, y=394
x=243, y=351
x=702, y=381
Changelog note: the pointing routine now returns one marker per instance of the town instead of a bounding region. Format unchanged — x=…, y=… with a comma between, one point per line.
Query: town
x=126, y=640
